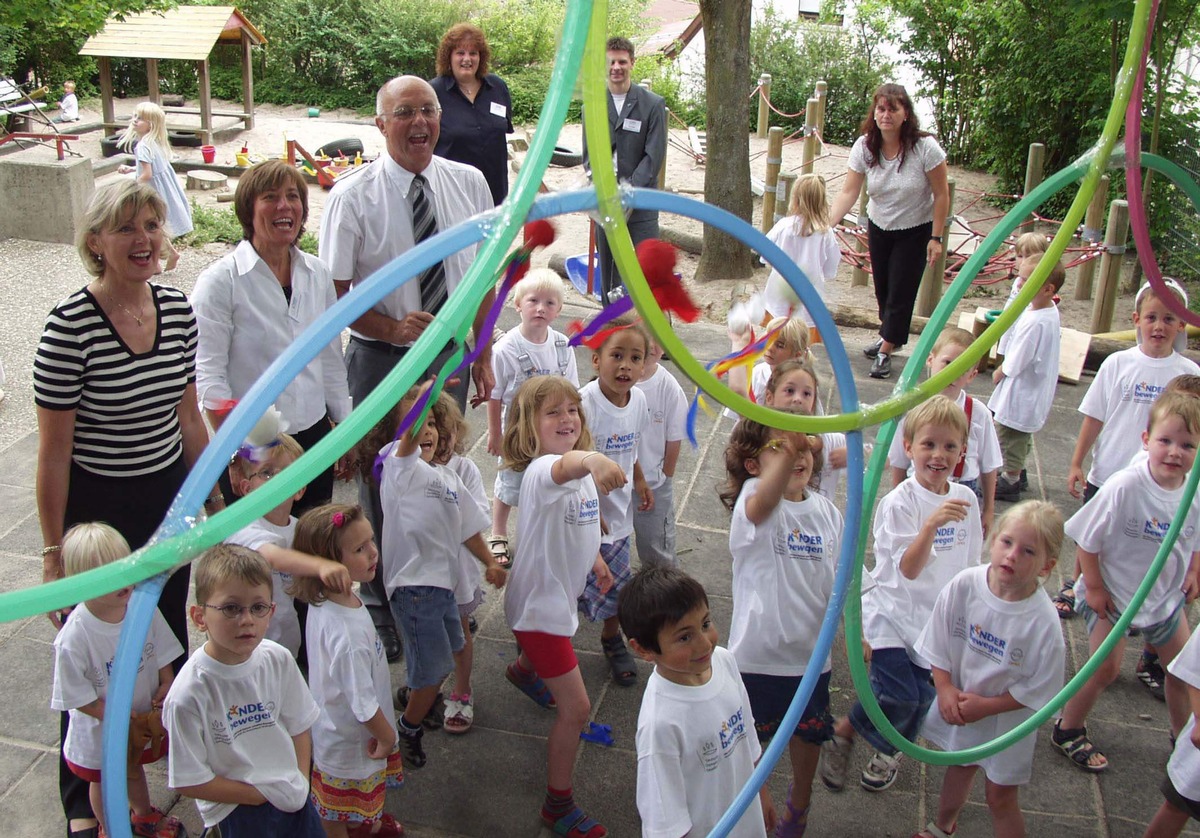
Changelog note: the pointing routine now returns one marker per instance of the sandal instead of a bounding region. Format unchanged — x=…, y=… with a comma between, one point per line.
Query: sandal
x=460, y=715
x=498, y=544
x=433, y=719
x=533, y=687
x=795, y=822
x=575, y=824
x=1076, y=746
x=1064, y=600
x=1150, y=673
x=389, y=827
x=620, y=662
x=932, y=830
x=155, y=824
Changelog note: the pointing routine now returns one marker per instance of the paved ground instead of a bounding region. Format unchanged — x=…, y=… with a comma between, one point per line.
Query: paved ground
x=490, y=781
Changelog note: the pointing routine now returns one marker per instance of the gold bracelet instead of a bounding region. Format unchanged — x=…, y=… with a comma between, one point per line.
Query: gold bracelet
x=57, y=548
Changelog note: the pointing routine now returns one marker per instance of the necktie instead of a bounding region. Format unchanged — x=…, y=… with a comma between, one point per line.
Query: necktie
x=433, y=280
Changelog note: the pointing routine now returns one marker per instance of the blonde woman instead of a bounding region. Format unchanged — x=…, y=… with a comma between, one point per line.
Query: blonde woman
x=806, y=237
x=147, y=135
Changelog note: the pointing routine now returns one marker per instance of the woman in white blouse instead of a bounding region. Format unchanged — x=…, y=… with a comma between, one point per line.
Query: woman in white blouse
x=254, y=302
x=909, y=196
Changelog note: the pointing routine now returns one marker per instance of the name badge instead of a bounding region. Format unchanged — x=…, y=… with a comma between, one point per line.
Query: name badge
x=499, y=110
x=632, y=125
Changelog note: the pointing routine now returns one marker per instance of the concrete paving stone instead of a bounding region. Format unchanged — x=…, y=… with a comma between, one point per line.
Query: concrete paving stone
x=20, y=462
x=18, y=761
x=31, y=807
x=15, y=505
x=714, y=576
x=25, y=692
x=25, y=538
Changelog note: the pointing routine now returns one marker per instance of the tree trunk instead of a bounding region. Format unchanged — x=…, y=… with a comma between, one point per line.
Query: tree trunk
x=727, y=179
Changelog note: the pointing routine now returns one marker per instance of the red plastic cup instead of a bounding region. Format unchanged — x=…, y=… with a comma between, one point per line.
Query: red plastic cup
x=209, y=153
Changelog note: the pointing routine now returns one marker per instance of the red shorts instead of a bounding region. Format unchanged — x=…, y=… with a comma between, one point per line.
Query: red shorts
x=552, y=655
x=92, y=775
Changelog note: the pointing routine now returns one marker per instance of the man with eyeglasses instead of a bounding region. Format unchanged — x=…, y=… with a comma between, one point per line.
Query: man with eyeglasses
x=381, y=212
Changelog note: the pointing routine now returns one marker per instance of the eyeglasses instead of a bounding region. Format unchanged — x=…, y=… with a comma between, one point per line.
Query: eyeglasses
x=407, y=112
x=265, y=473
x=232, y=611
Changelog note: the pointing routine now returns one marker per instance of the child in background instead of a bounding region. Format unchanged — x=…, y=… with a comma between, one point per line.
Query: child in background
x=789, y=343
x=616, y=412
x=926, y=530
x=807, y=238
x=1118, y=535
x=1027, y=245
x=1025, y=381
x=1117, y=404
x=355, y=759
x=793, y=386
x=271, y=536
x=784, y=540
x=1002, y=670
x=557, y=552
x=68, y=105
x=83, y=658
x=528, y=349
x=977, y=470
x=1181, y=786
x=693, y=693
x=147, y=135
x=658, y=453
x=459, y=712
x=427, y=516
x=239, y=714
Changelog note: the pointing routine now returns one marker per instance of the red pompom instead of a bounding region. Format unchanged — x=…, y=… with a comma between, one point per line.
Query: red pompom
x=539, y=233
x=657, y=259
x=522, y=268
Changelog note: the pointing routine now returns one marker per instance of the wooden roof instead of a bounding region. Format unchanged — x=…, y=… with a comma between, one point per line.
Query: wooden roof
x=188, y=33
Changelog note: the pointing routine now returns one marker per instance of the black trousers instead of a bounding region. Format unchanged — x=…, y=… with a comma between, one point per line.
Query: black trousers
x=898, y=260
x=643, y=224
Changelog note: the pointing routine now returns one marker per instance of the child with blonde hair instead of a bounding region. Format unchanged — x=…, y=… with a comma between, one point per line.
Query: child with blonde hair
x=147, y=135
x=806, y=236
x=794, y=385
x=355, y=759
x=790, y=339
x=83, y=657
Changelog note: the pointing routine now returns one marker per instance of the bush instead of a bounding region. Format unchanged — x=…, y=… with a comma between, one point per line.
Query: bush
x=220, y=224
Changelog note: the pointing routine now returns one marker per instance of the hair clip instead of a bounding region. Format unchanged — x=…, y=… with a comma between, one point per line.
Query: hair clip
x=339, y=520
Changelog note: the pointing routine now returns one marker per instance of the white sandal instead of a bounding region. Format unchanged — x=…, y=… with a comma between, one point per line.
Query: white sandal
x=498, y=544
x=460, y=715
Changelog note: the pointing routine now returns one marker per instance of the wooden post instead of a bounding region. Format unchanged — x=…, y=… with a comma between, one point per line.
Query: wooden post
x=933, y=281
x=104, y=63
x=1091, y=235
x=1110, y=267
x=205, y=90
x=1033, y=176
x=247, y=80
x=822, y=97
x=774, y=161
x=787, y=182
x=152, y=88
x=858, y=279
x=809, y=150
x=764, y=95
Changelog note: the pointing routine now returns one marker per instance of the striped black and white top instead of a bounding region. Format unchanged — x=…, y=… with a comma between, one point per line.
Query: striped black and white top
x=126, y=424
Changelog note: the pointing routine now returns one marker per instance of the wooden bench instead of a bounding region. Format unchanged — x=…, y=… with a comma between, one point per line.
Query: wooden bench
x=13, y=100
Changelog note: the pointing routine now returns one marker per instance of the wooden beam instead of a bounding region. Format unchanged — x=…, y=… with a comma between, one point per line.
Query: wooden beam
x=152, y=81
x=106, y=92
x=206, y=133
x=248, y=82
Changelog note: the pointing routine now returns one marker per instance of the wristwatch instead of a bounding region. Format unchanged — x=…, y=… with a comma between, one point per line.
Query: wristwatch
x=937, y=239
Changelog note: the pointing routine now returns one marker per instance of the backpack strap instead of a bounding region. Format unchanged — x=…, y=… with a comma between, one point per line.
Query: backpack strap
x=563, y=348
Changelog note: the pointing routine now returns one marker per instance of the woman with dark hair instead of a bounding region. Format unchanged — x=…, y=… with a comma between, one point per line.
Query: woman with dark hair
x=254, y=302
x=476, y=107
x=909, y=196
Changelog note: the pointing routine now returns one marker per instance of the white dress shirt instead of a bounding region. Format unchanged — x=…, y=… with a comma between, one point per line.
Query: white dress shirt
x=245, y=323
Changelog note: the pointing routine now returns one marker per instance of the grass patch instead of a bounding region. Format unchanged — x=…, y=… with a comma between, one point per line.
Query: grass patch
x=220, y=224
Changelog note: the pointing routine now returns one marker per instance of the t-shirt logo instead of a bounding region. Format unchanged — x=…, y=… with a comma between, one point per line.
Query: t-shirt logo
x=710, y=755
x=733, y=730
x=980, y=640
x=253, y=715
x=617, y=443
x=797, y=544
x=1141, y=392
x=658, y=417
x=946, y=536
x=1155, y=530
x=582, y=511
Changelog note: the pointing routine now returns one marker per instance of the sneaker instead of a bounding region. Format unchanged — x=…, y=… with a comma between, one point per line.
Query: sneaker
x=433, y=719
x=873, y=350
x=410, y=746
x=1006, y=490
x=880, y=772
x=882, y=368
x=1150, y=673
x=835, y=761
x=472, y=624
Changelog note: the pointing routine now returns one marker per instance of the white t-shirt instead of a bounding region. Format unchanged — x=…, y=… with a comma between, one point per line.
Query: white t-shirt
x=900, y=196
x=470, y=571
x=70, y=113
x=616, y=433
x=1023, y=398
x=558, y=540
x=515, y=359
x=1124, y=524
x=896, y=609
x=284, y=628
x=991, y=646
x=238, y=722
x=782, y=579
x=826, y=480
x=817, y=255
x=1002, y=344
x=983, y=446
x=760, y=374
x=666, y=407
x=83, y=657
x=1184, y=765
x=426, y=518
x=696, y=748
x=348, y=676
x=1125, y=387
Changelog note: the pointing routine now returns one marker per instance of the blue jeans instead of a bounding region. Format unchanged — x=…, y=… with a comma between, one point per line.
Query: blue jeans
x=904, y=693
x=265, y=819
x=431, y=629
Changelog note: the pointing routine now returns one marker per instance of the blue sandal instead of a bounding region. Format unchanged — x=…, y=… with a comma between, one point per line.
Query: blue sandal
x=575, y=824
x=533, y=687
